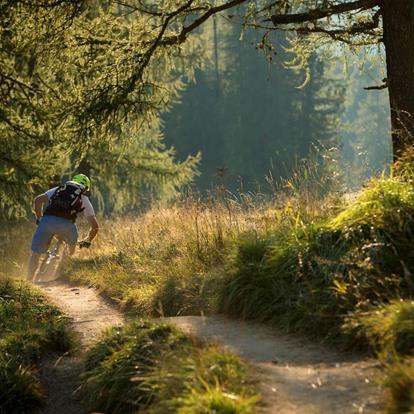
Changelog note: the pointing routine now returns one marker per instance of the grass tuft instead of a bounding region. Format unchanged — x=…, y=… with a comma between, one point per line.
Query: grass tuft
x=399, y=385
x=389, y=328
x=155, y=368
x=29, y=326
x=213, y=400
x=20, y=389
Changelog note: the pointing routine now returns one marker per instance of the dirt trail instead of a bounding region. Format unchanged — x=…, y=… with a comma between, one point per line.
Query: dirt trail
x=293, y=376
x=90, y=316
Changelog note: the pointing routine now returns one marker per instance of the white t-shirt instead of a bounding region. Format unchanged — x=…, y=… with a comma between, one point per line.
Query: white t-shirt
x=86, y=204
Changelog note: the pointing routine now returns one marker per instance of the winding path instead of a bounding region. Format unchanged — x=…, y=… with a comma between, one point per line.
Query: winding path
x=293, y=376
x=90, y=316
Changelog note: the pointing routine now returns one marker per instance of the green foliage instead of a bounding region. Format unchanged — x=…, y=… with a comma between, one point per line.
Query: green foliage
x=142, y=171
x=154, y=367
x=29, y=326
x=88, y=80
x=74, y=86
x=399, y=385
x=20, y=389
x=29, y=147
x=312, y=276
x=388, y=328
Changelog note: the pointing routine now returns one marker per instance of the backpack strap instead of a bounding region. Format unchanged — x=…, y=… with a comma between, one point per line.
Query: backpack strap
x=55, y=192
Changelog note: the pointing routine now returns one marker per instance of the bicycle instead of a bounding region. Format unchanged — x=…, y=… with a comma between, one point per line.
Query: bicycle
x=51, y=264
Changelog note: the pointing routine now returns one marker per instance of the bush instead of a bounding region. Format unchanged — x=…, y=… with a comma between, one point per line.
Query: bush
x=311, y=277
x=389, y=328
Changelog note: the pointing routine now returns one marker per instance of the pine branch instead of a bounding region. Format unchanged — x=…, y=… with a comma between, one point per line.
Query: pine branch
x=180, y=38
x=57, y=3
x=321, y=13
x=353, y=30
x=379, y=87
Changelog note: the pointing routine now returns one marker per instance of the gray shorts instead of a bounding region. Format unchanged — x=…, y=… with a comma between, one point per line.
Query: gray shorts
x=50, y=226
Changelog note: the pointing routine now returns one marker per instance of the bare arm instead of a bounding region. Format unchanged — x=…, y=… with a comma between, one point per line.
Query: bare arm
x=38, y=204
x=94, y=227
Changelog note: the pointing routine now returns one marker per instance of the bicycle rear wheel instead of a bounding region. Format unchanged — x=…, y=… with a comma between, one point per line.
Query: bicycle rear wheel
x=50, y=265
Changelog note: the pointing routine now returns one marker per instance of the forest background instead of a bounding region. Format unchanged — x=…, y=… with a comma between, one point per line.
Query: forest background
x=256, y=122
x=225, y=109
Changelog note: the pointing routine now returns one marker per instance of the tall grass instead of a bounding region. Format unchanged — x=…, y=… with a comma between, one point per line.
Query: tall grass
x=309, y=277
x=168, y=260
x=328, y=267
x=15, y=248
x=171, y=261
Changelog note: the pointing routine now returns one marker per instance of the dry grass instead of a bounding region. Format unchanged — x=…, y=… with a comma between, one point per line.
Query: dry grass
x=170, y=261
x=15, y=242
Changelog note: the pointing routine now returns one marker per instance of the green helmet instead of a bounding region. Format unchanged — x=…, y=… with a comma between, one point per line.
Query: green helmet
x=83, y=180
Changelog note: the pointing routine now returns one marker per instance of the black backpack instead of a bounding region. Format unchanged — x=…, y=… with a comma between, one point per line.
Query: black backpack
x=66, y=201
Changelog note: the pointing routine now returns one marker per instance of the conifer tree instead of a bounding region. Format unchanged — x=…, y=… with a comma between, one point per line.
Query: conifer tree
x=75, y=73
x=62, y=98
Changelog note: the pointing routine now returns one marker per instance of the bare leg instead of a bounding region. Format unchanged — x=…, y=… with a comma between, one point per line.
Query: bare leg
x=33, y=265
x=68, y=251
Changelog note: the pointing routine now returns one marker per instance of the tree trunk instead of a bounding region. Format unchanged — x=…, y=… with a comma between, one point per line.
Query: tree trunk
x=398, y=20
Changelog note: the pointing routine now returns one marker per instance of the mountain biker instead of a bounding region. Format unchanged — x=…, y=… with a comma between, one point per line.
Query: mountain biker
x=60, y=206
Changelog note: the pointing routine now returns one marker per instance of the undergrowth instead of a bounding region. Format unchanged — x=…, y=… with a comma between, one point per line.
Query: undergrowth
x=309, y=269
x=29, y=327
x=335, y=270
x=14, y=248
x=154, y=368
x=313, y=276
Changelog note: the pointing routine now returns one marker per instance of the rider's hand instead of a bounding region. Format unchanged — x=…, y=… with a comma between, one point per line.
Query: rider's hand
x=84, y=243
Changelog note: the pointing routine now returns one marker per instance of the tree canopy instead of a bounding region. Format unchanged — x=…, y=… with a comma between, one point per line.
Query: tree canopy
x=78, y=74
